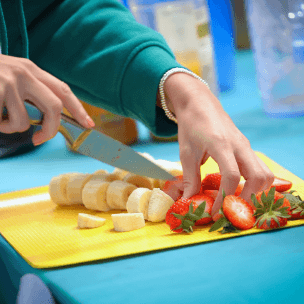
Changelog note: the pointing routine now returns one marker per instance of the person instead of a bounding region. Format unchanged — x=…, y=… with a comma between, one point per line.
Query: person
x=94, y=50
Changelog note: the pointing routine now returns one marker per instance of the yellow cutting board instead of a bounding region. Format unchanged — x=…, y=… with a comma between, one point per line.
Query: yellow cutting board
x=46, y=235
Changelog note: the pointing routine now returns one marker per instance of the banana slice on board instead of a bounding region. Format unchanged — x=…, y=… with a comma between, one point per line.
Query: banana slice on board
x=139, y=181
x=94, y=195
x=75, y=186
x=89, y=221
x=159, y=205
x=138, y=201
x=58, y=188
x=118, y=193
x=119, y=173
x=128, y=221
x=105, y=177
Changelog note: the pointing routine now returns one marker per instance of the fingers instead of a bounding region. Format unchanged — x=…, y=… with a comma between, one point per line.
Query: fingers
x=15, y=107
x=230, y=176
x=191, y=172
x=64, y=94
x=257, y=175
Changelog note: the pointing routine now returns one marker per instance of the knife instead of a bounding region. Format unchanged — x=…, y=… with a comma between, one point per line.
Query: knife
x=97, y=145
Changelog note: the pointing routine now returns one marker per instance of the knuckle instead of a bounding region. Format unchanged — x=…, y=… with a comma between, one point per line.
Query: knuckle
x=56, y=107
x=65, y=88
x=233, y=176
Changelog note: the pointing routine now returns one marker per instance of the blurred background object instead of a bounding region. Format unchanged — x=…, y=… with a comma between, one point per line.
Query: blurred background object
x=277, y=36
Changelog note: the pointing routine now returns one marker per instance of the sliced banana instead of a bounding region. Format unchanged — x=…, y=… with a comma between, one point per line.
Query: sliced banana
x=159, y=205
x=75, y=186
x=118, y=193
x=58, y=188
x=139, y=181
x=94, y=195
x=89, y=221
x=119, y=173
x=173, y=168
x=128, y=221
x=104, y=177
x=101, y=171
x=138, y=201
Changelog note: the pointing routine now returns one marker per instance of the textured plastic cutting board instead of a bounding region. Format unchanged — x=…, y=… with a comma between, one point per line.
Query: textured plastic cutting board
x=46, y=235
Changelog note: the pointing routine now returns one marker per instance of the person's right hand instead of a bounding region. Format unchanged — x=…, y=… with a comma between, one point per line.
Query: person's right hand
x=21, y=79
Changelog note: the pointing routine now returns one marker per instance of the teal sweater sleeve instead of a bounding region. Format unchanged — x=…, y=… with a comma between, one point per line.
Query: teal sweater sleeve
x=107, y=58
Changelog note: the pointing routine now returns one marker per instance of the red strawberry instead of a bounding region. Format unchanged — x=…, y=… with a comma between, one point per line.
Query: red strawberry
x=281, y=184
x=173, y=187
x=183, y=214
x=199, y=199
x=273, y=209
x=238, y=212
x=296, y=205
x=235, y=214
x=211, y=193
x=211, y=182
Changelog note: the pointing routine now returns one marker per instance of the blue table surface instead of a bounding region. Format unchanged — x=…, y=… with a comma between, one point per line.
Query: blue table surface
x=261, y=268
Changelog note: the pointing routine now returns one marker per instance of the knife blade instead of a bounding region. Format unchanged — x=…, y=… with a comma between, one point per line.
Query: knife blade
x=99, y=146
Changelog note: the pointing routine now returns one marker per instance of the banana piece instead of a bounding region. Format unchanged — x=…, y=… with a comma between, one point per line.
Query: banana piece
x=128, y=221
x=159, y=205
x=139, y=181
x=101, y=171
x=94, y=195
x=58, y=188
x=118, y=193
x=89, y=221
x=119, y=173
x=173, y=168
x=75, y=186
x=138, y=201
x=105, y=177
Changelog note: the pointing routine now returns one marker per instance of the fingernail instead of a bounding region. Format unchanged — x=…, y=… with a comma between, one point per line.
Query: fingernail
x=90, y=122
x=37, y=142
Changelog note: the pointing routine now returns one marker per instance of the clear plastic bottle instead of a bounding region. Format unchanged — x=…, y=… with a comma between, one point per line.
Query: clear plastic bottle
x=185, y=26
x=277, y=35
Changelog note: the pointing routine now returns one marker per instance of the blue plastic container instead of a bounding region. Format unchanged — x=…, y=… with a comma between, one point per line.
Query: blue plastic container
x=222, y=29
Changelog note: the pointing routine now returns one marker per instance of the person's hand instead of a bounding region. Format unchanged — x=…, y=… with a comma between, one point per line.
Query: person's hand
x=21, y=79
x=205, y=130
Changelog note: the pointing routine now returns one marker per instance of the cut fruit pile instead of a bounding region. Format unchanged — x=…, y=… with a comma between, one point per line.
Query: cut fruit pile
x=148, y=199
x=142, y=197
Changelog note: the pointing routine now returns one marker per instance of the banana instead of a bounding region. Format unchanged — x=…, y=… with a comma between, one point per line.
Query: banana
x=75, y=186
x=159, y=204
x=119, y=173
x=139, y=181
x=118, y=193
x=105, y=177
x=94, y=195
x=89, y=221
x=138, y=201
x=173, y=168
x=128, y=221
x=101, y=171
x=58, y=188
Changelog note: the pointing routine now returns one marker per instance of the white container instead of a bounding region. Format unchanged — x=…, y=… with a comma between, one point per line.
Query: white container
x=277, y=36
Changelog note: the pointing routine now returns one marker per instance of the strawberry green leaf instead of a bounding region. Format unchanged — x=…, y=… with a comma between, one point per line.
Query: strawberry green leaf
x=219, y=224
x=278, y=204
x=255, y=201
x=224, y=194
x=191, y=208
x=199, y=211
x=276, y=220
x=179, y=216
x=187, y=223
x=192, y=217
x=292, y=199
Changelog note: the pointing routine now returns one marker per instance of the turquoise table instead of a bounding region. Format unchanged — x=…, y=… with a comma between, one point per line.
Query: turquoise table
x=262, y=268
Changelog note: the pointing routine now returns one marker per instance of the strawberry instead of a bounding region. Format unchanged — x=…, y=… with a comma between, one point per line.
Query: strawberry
x=211, y=182
x=183, y=214
x=236, y=214
x=296, y=205
x=199, y=199
x=281, y=184
x=173, y=187
x=211, y=193
x=273, y=209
